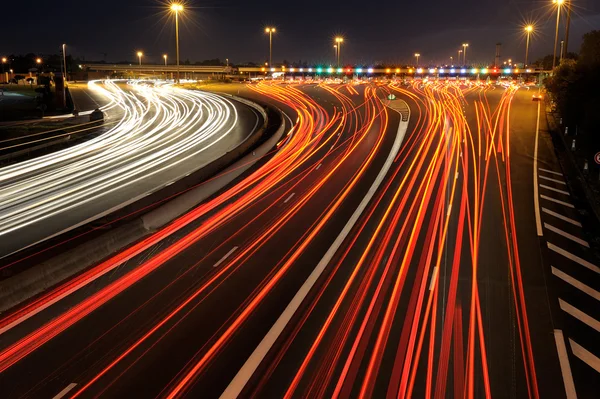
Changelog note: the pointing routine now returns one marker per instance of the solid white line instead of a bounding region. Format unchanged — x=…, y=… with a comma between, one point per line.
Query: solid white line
x=536, y=200
x=583, y=354
x=288, y=198
x=433, y=278
x=579, y=315
x=574, y=258
x=576, y=283
x=561, y=217
x=245, y=373
x=554, y=180
x=550, y=171
x=232, y=250
x=554, y=189
x=318, y=166
x=565, y=366
x=65, y=391
x=557, y=201
x=566, y=235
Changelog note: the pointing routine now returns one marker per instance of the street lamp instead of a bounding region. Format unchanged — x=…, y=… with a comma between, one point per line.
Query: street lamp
x=417, y=55
x=176, y=8
x=38, y=60
x=4, y=62
x=335, y=50
x=528, y=30
x=140, y=54
x=165, y=57
x=558, y=3
x=459, y=53
x=465, y=45
x=270, y=31
x=339, y=41
x=451, y=60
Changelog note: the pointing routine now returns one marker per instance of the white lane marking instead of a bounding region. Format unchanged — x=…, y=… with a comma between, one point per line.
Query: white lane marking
x=579, y=315
x=318, y=166
x=586, y=356
x=550, y=171
x=536, y=200
x=557, y=201
x=574, y=258
x=576, y=283
x=554, y=189
x=566, y=235
x=288, y=198
x=554, y=180
x=565, y=366
x=561, y=217
x=232, y=250
x=245, y=373
x=433, y=278
x=65, y=391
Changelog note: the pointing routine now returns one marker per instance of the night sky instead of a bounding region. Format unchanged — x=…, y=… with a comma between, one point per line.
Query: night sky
x=384, y=31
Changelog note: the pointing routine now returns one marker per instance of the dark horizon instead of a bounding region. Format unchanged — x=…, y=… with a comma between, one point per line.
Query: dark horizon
x=235, y=30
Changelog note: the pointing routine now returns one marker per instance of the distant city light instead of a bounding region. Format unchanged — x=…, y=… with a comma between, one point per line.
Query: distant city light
x=370, y=70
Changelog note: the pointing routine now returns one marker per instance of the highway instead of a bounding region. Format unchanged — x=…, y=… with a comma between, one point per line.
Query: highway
x=420, y=247
x=153, y=135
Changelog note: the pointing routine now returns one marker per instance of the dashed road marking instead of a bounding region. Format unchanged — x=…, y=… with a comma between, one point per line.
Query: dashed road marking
x=65, y=391
x=574, y=258
x=576, y=283
x=318, y=166
x=550, y=171
x=232, y=250
x=554, y=189
x=561, y=217
x=586, y=356
x=567, y=235
x=289, y=198
x=557, y=201
x=579, y=315
x=551, y=179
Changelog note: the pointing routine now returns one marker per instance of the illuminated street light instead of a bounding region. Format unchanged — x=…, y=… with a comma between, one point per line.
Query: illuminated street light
x=451, y=60
x=270, y=31
x=417, y=55
x=528, y=30
x=140, y=54
x=38, y=60
x=339, y=41
x=177, y=8
x=465, y=45
x=165, y=57
x=558, y=3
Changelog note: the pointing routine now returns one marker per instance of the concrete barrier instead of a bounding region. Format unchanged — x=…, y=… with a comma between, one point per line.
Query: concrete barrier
x=47, y=274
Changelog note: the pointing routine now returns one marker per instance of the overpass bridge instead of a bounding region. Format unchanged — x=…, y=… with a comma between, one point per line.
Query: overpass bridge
x=199, y=71
x=391, y=71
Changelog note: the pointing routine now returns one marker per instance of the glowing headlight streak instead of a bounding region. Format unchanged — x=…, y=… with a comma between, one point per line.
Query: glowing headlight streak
x=161, y=128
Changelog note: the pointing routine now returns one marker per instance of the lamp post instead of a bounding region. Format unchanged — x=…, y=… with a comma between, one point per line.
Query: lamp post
x=64, y=49
x=465, y=45
x=339, y=41
x=335, y=51
x=451, y=60
x=528, y=30
x=4, y=62
x=165, y=58
x=270, y=31
x=140, y=54
x=176, y=8
x=417, y=55
x=558, y=3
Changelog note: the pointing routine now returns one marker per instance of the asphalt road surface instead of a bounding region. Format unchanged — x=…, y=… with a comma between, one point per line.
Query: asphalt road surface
x=384, y=249
x=154, y=136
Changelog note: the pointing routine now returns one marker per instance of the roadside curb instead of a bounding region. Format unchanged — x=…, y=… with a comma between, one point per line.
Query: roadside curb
x=47, y=274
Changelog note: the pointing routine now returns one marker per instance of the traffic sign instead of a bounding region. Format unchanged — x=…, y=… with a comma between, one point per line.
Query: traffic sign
x=597, y=158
